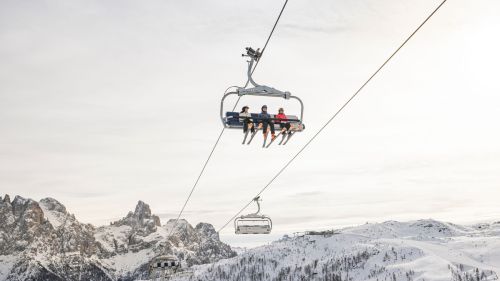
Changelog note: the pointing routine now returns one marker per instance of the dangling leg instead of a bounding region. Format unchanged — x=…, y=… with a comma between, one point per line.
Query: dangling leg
x=265, y=132
x=254, y=132
x=282, y=132
x=245, y=126
x=285, y=127
x=265, y=128
x=273, y=133
x=291, y=132
x=274, y=138
x=245, y=130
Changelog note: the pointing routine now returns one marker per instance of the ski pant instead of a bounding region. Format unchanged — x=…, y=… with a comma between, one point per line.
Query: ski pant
x=265, y=124
x=285, y=125
x=246, y=123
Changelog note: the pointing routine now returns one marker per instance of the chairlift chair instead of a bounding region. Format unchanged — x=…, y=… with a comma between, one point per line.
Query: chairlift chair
x=232, y=120
x=253, y=223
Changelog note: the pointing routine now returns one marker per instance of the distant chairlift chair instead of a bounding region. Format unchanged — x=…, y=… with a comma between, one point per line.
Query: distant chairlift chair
x=253, y=223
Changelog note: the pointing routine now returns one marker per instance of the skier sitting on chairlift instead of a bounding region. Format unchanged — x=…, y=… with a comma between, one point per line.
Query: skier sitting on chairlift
x=281, y=120
x=247, y=122
x=265, y=122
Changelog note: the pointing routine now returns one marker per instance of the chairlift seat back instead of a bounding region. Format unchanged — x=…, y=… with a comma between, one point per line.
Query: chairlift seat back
x=233, y=121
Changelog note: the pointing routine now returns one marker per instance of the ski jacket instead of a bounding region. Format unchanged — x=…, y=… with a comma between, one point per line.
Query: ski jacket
x=245, y=114
x=281, y=117
x=264, y=115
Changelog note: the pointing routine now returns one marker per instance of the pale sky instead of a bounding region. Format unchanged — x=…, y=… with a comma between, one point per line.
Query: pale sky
x=104, y=103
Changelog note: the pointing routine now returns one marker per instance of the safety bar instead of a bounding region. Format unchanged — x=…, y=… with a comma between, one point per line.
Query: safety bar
x=271, y=118
x=256, y=218
x=223, y=120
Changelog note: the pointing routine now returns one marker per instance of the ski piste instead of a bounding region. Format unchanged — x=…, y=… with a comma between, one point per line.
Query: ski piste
x=272, y=140
x=253, y=135
x=290, y=135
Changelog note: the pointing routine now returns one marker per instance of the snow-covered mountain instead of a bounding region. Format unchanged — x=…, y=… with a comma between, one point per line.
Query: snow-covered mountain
x=419, y=250
x=43, y=241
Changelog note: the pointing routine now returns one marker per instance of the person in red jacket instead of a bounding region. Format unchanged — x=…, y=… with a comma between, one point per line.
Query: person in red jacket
x=281, y=119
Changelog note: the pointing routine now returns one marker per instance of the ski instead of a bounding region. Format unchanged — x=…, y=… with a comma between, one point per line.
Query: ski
x=272, y=140
x=253, y=135
x=245, y=138
x=289, y=136
x=282, y=139
x=265, y=140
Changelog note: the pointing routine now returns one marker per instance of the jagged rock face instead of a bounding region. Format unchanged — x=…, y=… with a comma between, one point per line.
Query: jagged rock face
x=141, y=220
x=22, y=224
x=43, y=241
x=208, y=248
x=207, y=229
x=185, y=233
x=53, y=205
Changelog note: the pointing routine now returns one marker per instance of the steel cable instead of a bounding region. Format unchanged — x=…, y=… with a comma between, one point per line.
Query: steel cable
x=334, y=115
x=223, y=129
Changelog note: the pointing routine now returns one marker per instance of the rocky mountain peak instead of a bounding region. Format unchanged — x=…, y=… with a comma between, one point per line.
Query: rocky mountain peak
x=142, y=210
x=207, y=230
x=27, y=211
x=52, y=204
x=6, y=198
x=141, y=220
x=22, y=222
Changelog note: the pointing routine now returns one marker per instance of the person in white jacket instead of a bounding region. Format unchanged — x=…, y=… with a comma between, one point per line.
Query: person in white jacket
x=247, y=120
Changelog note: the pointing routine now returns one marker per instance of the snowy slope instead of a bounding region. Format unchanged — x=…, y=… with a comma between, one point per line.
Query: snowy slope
x=418, y=250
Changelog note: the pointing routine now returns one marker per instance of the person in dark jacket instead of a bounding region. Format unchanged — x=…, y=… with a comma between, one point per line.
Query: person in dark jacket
x=266, y=123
